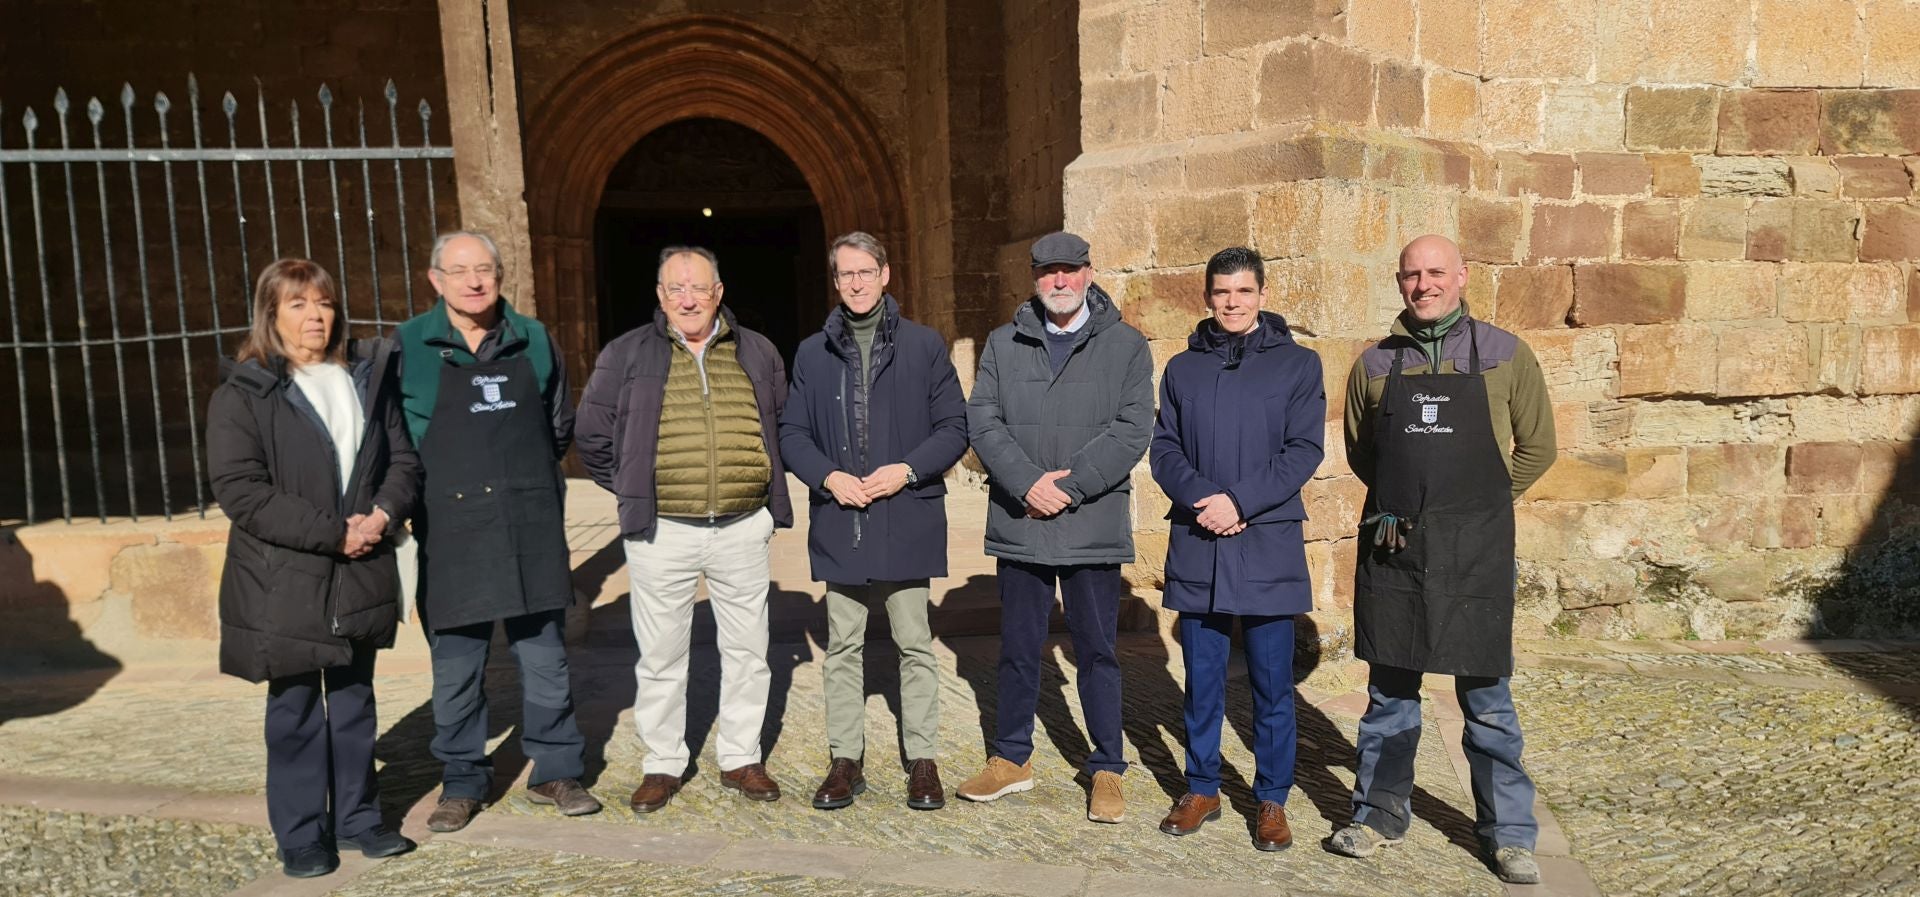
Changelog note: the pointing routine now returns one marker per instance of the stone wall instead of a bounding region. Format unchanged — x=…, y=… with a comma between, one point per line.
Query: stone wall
x=1700, y=214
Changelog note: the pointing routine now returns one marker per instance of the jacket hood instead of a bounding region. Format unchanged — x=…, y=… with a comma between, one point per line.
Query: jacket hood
x=1272, y=331
x=253, y=376
x=1102, y=313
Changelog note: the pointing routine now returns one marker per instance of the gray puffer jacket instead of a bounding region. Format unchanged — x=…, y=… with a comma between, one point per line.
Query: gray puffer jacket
x=1095, y=418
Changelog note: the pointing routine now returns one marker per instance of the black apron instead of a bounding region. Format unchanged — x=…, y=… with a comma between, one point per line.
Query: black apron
x=493, y=539
x=1444, y=604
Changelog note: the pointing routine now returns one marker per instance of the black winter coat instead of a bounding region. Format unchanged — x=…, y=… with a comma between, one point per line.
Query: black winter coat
x=911, y=411
x=289, y=601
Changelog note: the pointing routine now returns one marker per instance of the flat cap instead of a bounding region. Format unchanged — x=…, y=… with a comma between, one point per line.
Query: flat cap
x=1059, y=248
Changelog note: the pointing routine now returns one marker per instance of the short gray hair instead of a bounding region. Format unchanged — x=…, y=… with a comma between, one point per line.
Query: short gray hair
x=700, y=251
x=861, y=240
x=440, y=246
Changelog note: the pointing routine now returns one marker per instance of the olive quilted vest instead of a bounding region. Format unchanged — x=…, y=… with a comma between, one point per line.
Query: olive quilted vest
x=712, y=459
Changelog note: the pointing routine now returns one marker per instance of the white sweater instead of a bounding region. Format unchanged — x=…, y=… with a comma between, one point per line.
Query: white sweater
x=329, y=388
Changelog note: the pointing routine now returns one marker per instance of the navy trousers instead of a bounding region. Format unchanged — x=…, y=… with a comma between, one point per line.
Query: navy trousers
x=549, y=735
x=1390, y=735
x=1206, y=640
x=320, y=729
x=1091, y=595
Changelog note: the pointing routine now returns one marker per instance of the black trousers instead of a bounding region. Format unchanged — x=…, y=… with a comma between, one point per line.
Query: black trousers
x=549, y=735
x=320, y=733
x=1091, y=595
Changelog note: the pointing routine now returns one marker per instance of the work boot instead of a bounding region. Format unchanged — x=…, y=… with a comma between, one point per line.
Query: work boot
x=1190, y=813
x=1271, y=832
x=1107, y=804
x=654, y=792
x=844, y=781
x=1516, y=865
x=452, y=814
x=999, y=779
x=752, y=782
x=1359, y=841
x=924, y=791
x=566, y=794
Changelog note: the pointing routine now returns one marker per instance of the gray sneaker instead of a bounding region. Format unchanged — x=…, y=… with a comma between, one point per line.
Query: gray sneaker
x=1359, y=841
x=1516, y=865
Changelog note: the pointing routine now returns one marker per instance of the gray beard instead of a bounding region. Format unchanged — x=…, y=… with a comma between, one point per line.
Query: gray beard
x=1060, y=305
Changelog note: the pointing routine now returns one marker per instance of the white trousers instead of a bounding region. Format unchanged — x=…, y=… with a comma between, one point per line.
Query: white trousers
x=665, y=571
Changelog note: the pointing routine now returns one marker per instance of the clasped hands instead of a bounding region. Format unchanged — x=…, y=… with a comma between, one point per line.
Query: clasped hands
x=858, y=492
x=1045, y=499
x=1219, y=515
x=363, y=532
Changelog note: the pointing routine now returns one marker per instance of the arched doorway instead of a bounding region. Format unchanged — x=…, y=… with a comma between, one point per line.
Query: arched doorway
x=698, y=67
x=712, y=183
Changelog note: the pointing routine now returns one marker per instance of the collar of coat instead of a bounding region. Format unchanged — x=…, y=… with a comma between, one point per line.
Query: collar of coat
x=840, y=336
x=1272, y=331
x=1029, y=318
x=366, y=359
x=664, y=330
x=509, y=329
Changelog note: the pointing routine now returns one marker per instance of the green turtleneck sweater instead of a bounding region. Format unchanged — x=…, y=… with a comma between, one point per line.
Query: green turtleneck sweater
x=864, y=327
x=1431, y=336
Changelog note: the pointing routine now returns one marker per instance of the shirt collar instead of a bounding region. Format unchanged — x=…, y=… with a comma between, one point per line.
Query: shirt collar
x=1079, y=320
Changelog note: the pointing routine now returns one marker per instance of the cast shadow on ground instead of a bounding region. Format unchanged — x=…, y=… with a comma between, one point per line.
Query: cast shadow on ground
x=42, y=642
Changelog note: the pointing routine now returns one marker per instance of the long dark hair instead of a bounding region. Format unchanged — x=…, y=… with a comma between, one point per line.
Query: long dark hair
x=280, y=280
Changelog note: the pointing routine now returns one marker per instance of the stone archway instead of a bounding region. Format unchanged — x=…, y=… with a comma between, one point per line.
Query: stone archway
x=690, y=67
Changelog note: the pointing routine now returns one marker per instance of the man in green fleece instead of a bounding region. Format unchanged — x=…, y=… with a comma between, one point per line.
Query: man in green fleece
x=1447, y=422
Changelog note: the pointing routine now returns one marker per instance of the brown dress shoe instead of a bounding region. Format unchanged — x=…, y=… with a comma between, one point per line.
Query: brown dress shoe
x=1190, y=813
x=843, y=782
x=452, y=814
x=1272, y=832
x=566, y=794
x=654, y=792
x=924, y=791
x=752, y=781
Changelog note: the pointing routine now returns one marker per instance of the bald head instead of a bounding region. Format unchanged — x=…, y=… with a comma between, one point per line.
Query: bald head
x=1432, y=277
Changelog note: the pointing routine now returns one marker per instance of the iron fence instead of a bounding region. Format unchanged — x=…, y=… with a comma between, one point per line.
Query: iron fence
x=66, y=325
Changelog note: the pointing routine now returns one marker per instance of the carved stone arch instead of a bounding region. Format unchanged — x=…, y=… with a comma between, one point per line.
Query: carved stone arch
x=691, y=67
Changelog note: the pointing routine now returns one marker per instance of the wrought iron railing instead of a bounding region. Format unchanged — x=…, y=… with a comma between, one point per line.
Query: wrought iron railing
x=61, y=323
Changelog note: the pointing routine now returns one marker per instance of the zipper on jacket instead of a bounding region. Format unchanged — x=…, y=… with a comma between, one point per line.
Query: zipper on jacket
x=846, y=449
x=713, y=444
x=333, y=590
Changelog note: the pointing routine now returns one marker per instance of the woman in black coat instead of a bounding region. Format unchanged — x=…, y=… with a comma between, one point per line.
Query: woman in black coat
x=309, y=457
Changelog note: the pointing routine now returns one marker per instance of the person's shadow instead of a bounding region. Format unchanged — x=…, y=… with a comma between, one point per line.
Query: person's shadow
x=43, y=643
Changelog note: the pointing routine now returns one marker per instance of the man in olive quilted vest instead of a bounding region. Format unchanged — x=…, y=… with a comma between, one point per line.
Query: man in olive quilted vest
x=680, y=421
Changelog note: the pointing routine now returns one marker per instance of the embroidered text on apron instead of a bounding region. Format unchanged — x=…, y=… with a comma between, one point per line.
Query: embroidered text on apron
x=494, y=543
x=1444, y=604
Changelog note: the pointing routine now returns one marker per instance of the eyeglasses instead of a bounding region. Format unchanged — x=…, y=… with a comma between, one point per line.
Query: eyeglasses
x=864, y=275
x=681, y=290
x=486, y=272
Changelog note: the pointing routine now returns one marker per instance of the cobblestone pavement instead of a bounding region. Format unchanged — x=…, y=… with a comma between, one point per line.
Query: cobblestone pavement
x=56, y=854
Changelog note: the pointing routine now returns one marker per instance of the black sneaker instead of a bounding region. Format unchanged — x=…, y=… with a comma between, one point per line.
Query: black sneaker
x=378, y=842
x=309, y=862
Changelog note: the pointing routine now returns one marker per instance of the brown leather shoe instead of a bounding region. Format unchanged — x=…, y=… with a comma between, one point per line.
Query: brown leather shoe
x=452, y=814
x=844, y=781
x=566, y=794
x=654, y=792
x=1190, y=813
x=752, y=781
x=924, y=791
x=1272, y=832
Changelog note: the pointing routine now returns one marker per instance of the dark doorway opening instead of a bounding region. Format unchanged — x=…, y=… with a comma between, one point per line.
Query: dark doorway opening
x=713, y=183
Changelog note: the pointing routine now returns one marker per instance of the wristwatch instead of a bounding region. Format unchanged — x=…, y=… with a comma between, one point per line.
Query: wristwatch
x=912, y=478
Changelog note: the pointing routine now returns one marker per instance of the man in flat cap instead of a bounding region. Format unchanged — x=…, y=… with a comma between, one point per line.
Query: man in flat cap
x=1061, y=411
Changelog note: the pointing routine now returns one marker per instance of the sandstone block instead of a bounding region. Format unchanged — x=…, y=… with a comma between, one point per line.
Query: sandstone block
x=1585, y=116
x=1656, y=621
x=1316, y=80
x=1743, y=176
x=1841, y=292
x=1873, y=177
x=1628, y=294
x=1120, y=111
x=1535, y=297
x=1102, y=42
x=1333, y=507
x=1808, y=43
x=1547, y=175
x=1510, y=112
x=1614, y=174
x=173, y=588
x=1166, y=302
x=1736, y=469
x=1671, y=119
x=1667, y=359
x=1892, y=233
x=1450, y=33
x=1212, y=95
x=1823, y=468
x=1798, y=526
x=1400, y=95
x=1160, y=35
x=1814, y=176
x=1580, y=231
x=1490, y=229
x=1839, y=368
x=1190, y=229
x=1273, y=156
x=1715, y=228
x=1893, y=42
x=1585, y=584
x=1583, y=476
x=1741, y=577
x=1650, y=230
x=1382, y=26
x=1578, y=365
x=1764, y=360
x=1769, y=122
x=1881, y=463
x=1232, y=24
x=1730, y=291
x=1872, y=122
x=1684, y=41
x=1120, y=234
x=1890, y=359
x=1847, y=520
x=1769, y=229
x=1656, y=472
x=1674, y=174
x=1913, y=296
x=1539, y=40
